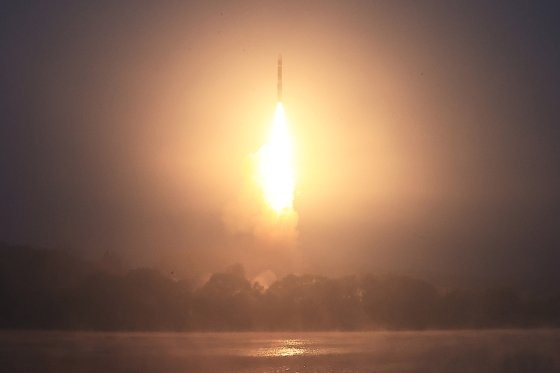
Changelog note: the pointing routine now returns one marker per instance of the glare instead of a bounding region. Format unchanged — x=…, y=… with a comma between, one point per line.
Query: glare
x=286, y=347
x=275, y=168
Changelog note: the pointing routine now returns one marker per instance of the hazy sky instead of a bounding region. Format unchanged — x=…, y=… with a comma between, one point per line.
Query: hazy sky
x=427, y=132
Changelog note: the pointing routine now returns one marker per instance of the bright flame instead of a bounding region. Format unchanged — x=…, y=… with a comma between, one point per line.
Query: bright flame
x=275, y=167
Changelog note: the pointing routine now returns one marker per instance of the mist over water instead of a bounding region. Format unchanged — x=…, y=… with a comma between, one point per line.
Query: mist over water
x=433, y=351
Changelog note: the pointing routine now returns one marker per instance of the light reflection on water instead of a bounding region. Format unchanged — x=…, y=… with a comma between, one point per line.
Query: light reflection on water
x=284, y=347
x=254, y=345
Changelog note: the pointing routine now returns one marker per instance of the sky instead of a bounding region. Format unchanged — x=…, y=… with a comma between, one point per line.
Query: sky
x=427, y=134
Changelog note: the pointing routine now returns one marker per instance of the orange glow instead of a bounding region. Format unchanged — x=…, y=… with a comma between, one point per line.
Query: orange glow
x=276, y=174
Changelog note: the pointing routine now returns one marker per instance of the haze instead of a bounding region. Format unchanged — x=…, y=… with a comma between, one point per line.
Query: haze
x=426, y=135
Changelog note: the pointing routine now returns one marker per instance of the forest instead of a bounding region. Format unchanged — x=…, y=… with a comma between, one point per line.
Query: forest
x=54, y=289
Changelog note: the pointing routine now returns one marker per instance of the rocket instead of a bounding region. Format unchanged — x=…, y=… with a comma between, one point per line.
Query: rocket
x=279, y=84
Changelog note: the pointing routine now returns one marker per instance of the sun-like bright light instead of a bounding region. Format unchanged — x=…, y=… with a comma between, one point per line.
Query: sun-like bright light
x=275, y=165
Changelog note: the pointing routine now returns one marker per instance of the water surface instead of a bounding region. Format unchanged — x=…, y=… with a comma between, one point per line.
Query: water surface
x=428, y=351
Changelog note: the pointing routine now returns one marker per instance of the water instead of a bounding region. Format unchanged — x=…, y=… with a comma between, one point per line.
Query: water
x=429, y=351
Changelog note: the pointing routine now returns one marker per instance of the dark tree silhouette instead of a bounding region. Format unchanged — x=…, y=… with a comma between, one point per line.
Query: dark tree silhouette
x=53, y=289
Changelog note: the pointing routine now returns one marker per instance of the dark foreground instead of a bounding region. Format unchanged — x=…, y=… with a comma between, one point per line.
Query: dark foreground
x=430, y=351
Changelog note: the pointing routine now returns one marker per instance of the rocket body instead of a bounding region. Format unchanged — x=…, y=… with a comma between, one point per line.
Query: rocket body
x=279, y=86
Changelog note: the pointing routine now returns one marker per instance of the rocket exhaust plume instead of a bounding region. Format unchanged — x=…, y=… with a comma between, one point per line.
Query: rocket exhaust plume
x=276, y=169
x=266, y=206
x=275, y=166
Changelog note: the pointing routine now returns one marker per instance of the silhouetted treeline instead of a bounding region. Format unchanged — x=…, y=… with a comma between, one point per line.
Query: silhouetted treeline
x=50, y=289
